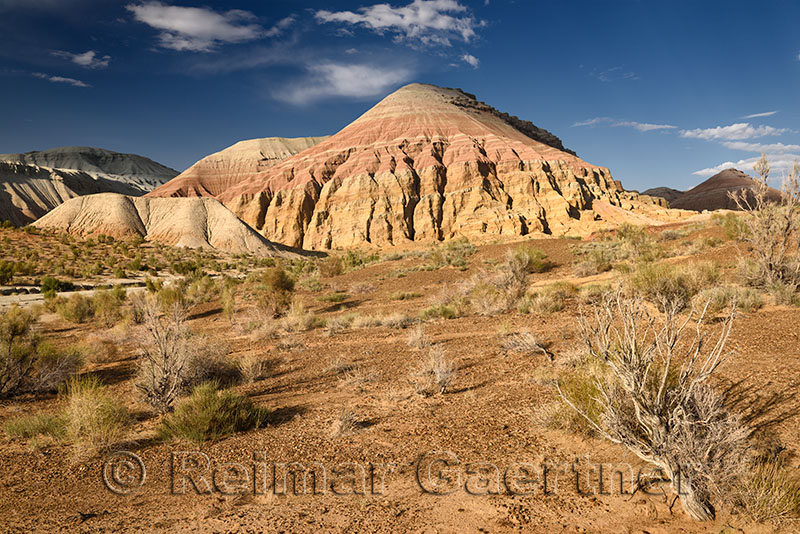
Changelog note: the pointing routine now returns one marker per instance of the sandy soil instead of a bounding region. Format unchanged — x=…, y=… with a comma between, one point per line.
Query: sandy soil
x=487, y=417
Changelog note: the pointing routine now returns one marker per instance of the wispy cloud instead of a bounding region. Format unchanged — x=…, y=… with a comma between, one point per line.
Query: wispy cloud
x=734, y=132
x=613, y=74
x=471, y=60
x=421, y=21
x=61, y=79
x=775, y=148
x=280, y=27
x=198, y=29
x=88, y=59
x=758, y=115
x=779, y=164
x=327, y=80
x=641, y=126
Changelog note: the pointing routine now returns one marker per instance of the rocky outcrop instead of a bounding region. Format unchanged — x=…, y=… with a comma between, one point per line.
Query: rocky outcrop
x=667, y=193
x=714, y=193
x=140, y=173
x=182, y=222
x=428, y=164
x=28, y=191
x=215, y=173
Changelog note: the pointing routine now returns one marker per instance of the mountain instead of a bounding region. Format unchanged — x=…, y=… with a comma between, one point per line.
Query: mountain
x=27, y=191
x=429, y=164
x=215, y=173
x=137, y=171
x=183, y=222
x=714, y=193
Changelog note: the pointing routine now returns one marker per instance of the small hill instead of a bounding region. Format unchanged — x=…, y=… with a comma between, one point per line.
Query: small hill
x=215, y=173
x=428, y=164
x=184, y=222
x=714, y=193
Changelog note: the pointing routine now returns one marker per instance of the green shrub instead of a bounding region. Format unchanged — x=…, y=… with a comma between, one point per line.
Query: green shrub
x=719, y=298
x=731, y=223
x=31, y=427
x=530, y=259
x=95, y=419
x=6, y=272
x=107, y=305
x=210, y=414
x=445, y=311
x=277, y=279
x=75, y=309
x=355, y=259
x=453, y=253
x=667, y=284
x=50, y=286
x=333, y=297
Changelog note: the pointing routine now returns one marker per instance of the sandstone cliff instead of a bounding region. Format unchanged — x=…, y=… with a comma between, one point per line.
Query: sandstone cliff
x=428, y=164
x=215, y=173
x=183, y=222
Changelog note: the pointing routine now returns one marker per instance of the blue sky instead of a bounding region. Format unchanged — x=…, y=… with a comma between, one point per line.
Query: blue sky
x=662, y=93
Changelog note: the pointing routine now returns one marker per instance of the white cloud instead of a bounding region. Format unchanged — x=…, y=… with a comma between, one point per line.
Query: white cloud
x=613, y=74
x=780, y=164
x=775, y=148
x=734, y=132
x=88, y=59
x=471, y=60
x=327, y=80
x=641, y=126
x=198, y=29
x=61, y=79
x=758, y=115
x=280, y=26
x=423, y=21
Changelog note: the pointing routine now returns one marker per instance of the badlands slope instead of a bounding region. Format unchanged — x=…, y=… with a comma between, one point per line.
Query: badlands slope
x=183, y=222
x=28, y=191
x=429, y=164
x=33, y=183
x=215, y=173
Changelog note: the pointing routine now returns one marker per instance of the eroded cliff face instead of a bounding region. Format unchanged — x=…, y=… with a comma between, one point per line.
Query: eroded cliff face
x=428, y=164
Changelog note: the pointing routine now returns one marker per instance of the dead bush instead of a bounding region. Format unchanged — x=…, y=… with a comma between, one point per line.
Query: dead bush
x=434, y=374
x=525, y=343
x=654, y=397
x=417, y=338
x=95, y=420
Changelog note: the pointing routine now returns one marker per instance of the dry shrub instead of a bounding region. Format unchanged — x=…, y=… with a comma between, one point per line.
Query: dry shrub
x=525, y=343
x=654, y=397
x=210, y=414
x=107, y=306
x=770, y=492
x=453, y=253
x=299, y=319
x=101, y=349
x=719, y=298
x=330, y=267
x=254, y=367
x=28, y=364
x=75, y=309
x=529, y=258
x=670, y=284
x=340, y=323
x=345, y=423
x=95, y=419
x=272, y=303
x=38, y=429
x=434, y=374
x=417, y=338
x=772, y=229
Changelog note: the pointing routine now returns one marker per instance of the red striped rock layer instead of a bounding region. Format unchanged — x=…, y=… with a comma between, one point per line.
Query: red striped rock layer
x=424, y=164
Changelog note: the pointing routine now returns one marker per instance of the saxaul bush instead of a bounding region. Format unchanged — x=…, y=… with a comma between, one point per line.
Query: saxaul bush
x=772, y=230
x=652, y=394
